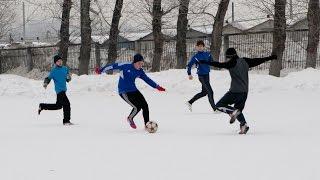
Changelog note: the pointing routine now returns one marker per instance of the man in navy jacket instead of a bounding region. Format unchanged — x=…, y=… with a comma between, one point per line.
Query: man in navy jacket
x=127, y=88
x=203, y=71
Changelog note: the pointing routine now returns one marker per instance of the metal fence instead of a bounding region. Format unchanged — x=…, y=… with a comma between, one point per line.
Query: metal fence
x=247, y=44
x=260, y=44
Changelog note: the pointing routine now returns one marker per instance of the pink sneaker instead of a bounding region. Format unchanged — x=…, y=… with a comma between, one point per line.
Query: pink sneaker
x=132, y=124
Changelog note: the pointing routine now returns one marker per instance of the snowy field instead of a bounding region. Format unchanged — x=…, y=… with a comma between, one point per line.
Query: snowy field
x=282, y=144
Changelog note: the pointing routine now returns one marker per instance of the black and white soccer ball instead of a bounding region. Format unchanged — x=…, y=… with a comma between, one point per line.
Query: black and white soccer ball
x=151, y=127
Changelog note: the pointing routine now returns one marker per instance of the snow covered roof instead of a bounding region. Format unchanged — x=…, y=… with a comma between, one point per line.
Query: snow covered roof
x=134, y=36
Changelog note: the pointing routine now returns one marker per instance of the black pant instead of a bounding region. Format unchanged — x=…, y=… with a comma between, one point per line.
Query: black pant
x=239, y=101
x=206, y=90
x=62, y=102
x=137, y=101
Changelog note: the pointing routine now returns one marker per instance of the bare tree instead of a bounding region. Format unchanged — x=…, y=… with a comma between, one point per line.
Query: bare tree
x=114, y=32
x=279, y=36
x=158, y=39
x=85, y=48
x=182, y=27
x=157, y=35
x=313, y=35
x=7, y=17
x=64, y=30
x=216, y=36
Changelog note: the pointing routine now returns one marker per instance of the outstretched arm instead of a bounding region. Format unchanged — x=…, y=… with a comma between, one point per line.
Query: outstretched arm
x=149, y=81
x=108, y=67
x=227, y=65
x=252, y=62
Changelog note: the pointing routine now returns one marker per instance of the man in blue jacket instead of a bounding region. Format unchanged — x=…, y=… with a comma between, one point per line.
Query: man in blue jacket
x=60, y=76
x=203, y=71
x=127, y=88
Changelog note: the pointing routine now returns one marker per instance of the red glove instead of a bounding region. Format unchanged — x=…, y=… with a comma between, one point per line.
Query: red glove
x=160, y=88
x=97, y=70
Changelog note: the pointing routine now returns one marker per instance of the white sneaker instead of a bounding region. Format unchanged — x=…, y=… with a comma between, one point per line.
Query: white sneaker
x=189, y=106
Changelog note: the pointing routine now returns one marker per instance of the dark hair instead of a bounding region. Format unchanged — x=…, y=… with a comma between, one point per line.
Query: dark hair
x=200, y=42
x=56, y=58
x=138, y=57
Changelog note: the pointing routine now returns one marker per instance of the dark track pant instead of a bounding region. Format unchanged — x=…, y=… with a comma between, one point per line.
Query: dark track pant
x=239, y=101
x=138, y=102
x=206, y=90
x=62, y=102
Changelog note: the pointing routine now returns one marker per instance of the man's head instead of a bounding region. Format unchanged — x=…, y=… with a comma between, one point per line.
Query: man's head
x=200, y=45
x=231, y=53
x=138, y=61
x=57, y=60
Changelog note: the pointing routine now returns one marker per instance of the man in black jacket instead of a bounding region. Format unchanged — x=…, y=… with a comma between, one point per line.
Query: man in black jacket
x=238, y=92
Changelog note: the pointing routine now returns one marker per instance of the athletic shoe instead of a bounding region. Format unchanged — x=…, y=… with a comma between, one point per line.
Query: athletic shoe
x=244, y=129
x=132, y=124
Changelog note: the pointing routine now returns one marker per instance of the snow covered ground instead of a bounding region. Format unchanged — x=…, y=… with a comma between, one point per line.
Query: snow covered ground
x=283, y=142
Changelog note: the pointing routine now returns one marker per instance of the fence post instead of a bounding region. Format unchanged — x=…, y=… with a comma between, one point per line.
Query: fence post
x=225, y=43
x=29, y=59
x=137, y=46
x=98, y=55
x=0, y=62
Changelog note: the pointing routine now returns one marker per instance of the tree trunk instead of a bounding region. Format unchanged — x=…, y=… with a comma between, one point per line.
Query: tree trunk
x=279, y=37
x=182, y=27
x=85, y=48
x=216, y=36
x=157, y=35
x=114, y=32
x=64, y=31
x=313, y=35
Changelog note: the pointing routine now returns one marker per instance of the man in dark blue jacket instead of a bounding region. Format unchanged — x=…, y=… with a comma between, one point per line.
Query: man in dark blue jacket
x=238, y=92
x=127, y=88
x=60, y=76
x=203, y=71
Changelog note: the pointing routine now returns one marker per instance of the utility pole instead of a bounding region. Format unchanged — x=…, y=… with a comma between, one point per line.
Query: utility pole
x=24, y=21
x=232, y=11
x=291, y=10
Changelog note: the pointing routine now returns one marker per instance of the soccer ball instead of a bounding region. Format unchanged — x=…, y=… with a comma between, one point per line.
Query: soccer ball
x=151, y=127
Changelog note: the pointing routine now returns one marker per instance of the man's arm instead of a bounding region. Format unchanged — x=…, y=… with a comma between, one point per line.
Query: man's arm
x=252, y=62
x=227, y=65
x=114, y=66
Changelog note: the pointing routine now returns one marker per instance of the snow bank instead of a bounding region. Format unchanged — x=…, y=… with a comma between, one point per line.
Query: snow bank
x=175, y=81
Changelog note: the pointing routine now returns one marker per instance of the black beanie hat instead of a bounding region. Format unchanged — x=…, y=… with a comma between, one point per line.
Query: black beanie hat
x=138, y=57
x=231, y=52
x=56, y=58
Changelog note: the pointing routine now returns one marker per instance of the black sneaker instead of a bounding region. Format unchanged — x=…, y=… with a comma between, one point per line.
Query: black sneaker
x=234, y=115
x=39, y=110
x=244, y=129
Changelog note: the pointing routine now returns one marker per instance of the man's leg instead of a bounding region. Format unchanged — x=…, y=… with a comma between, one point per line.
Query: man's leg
x=201, y=94
x=206, y=84
x=56, y=106
x=64, y=101
x=224, y=103
x=239, y=104
x=145, y=108
x=130, y=98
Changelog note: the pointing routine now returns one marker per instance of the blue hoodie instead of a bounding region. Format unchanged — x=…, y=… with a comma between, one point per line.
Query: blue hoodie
x=59, y=75
x=202, y=69
x=128, y=75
